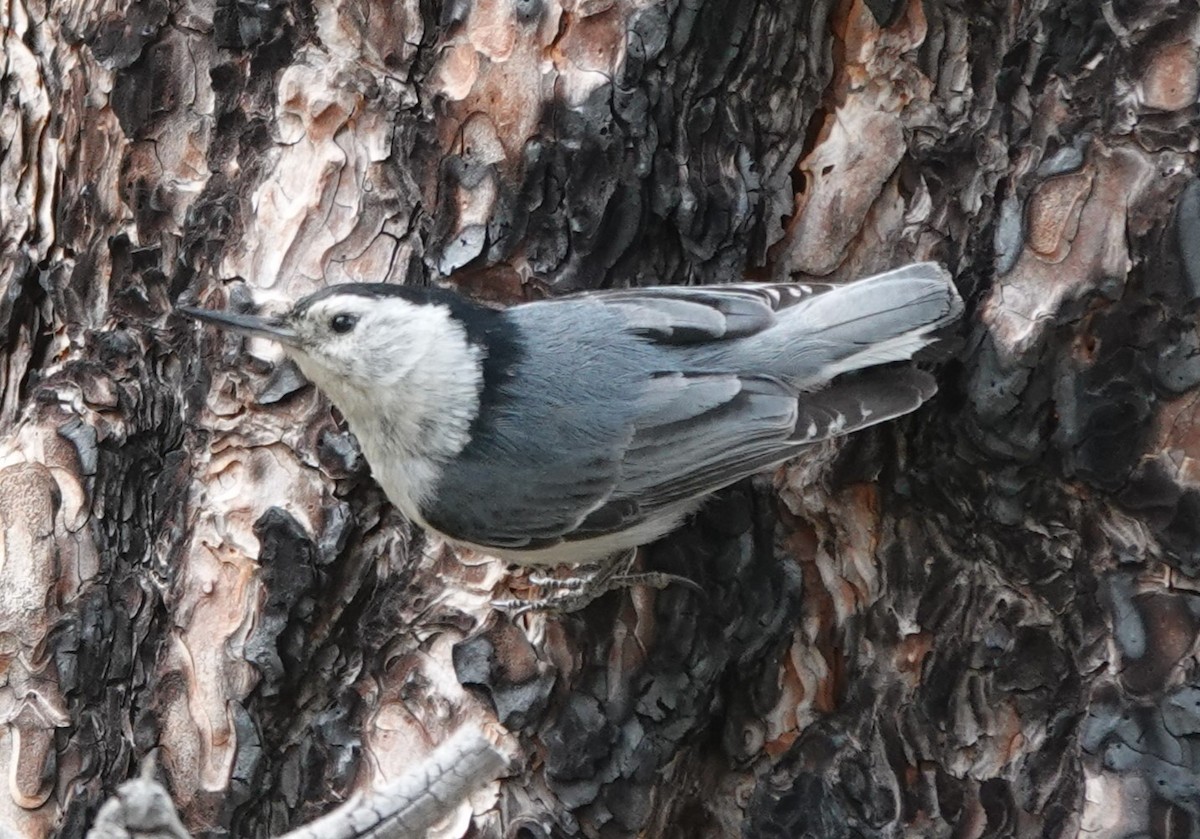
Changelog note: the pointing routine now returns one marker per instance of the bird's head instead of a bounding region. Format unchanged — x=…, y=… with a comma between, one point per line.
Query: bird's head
x=355, y=340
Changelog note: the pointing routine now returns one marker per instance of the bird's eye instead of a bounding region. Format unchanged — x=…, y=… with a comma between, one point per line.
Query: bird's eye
x=341, y=324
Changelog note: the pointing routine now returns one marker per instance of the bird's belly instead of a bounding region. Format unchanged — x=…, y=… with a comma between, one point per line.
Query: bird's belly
x=585, y=551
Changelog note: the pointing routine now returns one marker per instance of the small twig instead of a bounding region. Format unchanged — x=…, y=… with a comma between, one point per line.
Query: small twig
x=1114, y=23
x=140, y=809
x=413, y=803
x=404, y=809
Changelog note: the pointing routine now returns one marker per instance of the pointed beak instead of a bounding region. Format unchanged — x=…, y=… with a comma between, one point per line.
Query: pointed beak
x=272, y=328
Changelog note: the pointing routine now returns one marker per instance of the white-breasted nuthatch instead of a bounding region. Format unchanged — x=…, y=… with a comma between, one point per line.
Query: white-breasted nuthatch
x=570, y=430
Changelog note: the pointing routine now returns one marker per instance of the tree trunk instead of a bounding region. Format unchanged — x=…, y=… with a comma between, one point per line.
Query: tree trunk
x=980, y=621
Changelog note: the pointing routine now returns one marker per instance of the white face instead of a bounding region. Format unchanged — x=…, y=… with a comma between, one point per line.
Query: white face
x=362, y=342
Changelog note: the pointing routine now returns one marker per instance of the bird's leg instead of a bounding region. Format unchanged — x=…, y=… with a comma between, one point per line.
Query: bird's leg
x=573, y=593
x=550, y=581
x=613, y=566
x=578, y=591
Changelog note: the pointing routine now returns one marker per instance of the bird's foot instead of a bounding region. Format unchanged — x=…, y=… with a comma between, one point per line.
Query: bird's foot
x=575, y=592
x=560, y=603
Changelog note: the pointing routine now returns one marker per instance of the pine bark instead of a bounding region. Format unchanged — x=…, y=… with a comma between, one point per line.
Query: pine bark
x=980, y=621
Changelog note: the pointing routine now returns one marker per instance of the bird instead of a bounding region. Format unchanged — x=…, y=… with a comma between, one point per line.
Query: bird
x=571, y=430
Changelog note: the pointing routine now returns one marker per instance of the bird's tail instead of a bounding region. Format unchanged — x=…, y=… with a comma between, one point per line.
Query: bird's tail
x=875, y=320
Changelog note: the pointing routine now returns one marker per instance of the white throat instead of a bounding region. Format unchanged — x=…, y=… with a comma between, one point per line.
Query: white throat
x=417, y=412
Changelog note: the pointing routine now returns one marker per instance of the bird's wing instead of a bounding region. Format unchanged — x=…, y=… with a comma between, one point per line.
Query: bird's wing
x=680, y=434
x=535, y=508
x=693, y=434
x=690, y=449
x=690, y=314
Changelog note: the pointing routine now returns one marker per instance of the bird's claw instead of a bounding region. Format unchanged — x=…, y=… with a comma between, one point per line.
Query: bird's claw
x=574, y=593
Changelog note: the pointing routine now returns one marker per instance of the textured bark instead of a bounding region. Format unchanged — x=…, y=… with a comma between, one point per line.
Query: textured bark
x=981, y=621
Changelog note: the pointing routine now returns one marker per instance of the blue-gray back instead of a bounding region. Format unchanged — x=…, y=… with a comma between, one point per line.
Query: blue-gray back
x=621, y=404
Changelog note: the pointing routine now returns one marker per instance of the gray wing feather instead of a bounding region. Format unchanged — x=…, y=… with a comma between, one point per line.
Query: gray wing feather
x=676, y=397
x=767, y=425
x=678, y=422
x=696, y=434
x=691, y=314
x=551, y=503
x=668, y=456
